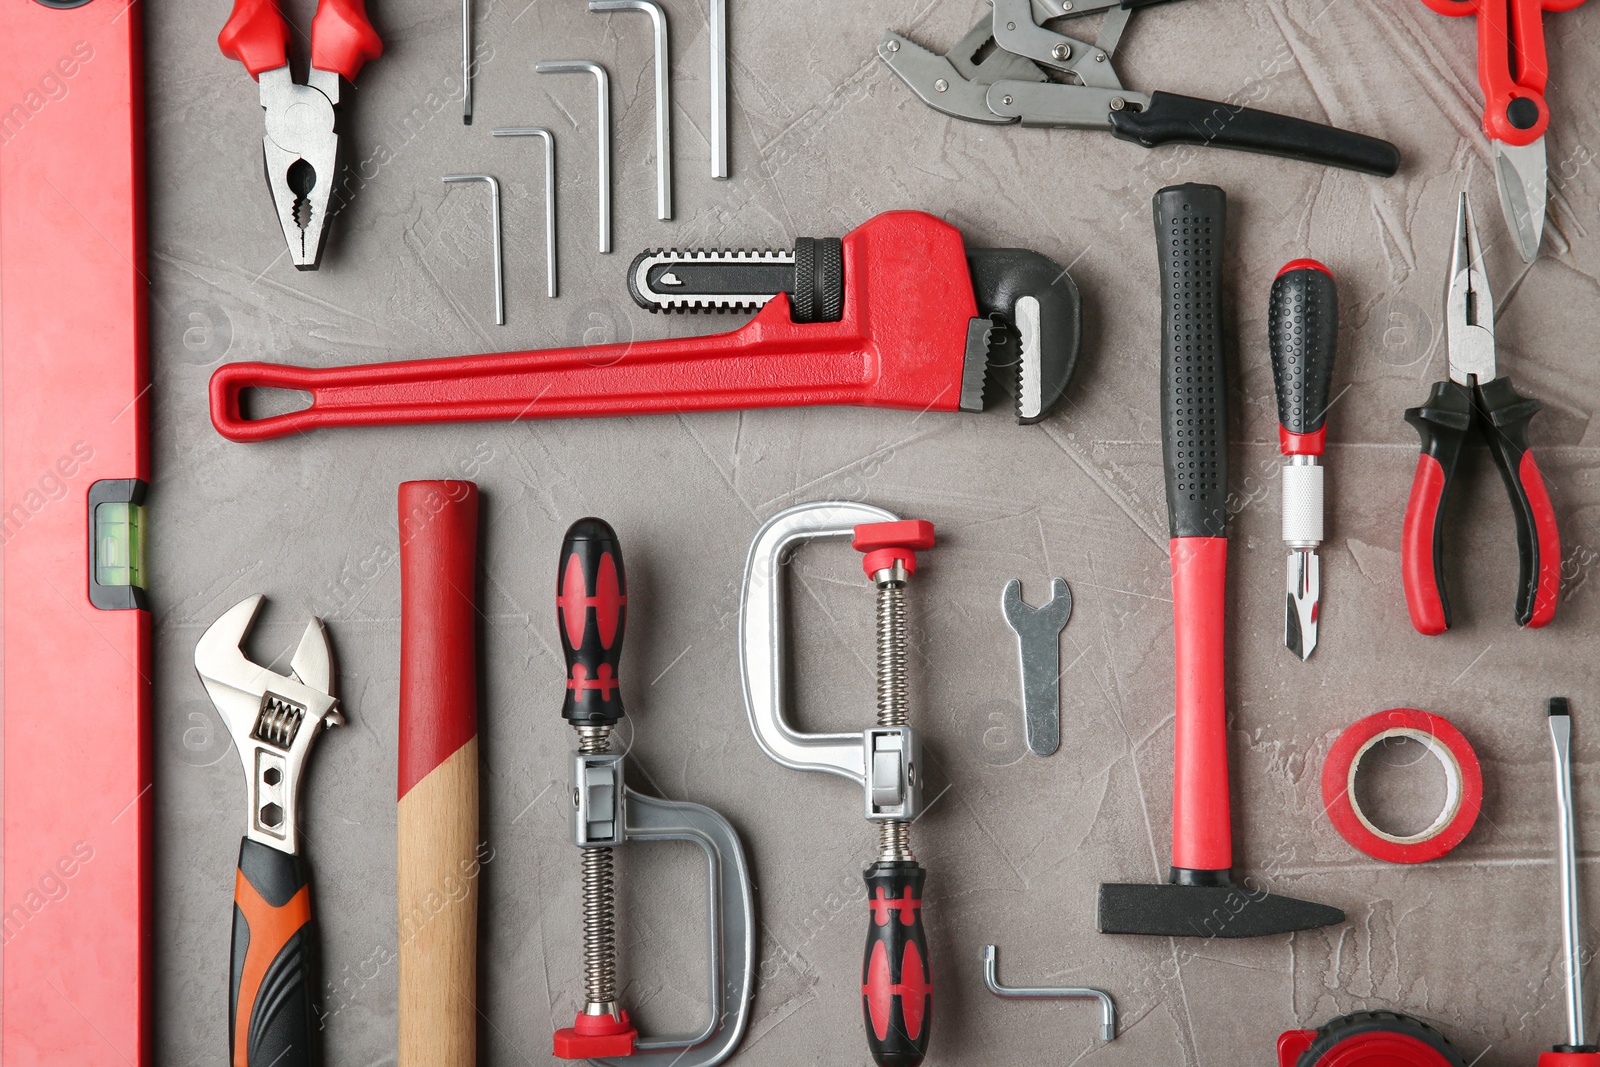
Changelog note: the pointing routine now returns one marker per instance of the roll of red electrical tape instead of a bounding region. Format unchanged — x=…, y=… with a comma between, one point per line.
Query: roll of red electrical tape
x=1463, y=788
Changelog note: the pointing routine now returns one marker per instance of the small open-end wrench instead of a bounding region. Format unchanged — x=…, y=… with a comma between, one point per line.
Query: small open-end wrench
x=1038, y=633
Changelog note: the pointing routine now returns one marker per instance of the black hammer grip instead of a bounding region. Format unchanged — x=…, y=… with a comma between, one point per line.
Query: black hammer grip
x=896, y=981
x=591, y=613
x=1190, y=223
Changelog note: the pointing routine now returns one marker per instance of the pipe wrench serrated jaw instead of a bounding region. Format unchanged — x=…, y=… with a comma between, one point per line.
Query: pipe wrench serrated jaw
x=1030, y=322
x=272, y=718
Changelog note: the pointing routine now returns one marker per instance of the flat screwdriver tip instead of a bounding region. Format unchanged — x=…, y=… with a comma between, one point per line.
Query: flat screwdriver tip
x=1302, y=603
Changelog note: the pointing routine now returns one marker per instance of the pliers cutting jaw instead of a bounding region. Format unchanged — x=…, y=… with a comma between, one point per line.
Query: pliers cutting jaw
x=272, y=718
x=1475, y=396
x=302, y=157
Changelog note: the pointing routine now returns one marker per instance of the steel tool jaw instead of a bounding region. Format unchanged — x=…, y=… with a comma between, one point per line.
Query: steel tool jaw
x=301, y=151
x=1469, y=306
x=1521, y=174
x=1304, y=588
x=957, y=84
x=237, y=685
x=272, y=719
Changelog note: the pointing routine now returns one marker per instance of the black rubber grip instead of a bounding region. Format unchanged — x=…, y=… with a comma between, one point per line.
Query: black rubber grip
x=1505, y=415
x=1303, y=332
x=591, y=613
x=1173, y=119
x=896, y=981
x=1190, y=228
x=273, y=976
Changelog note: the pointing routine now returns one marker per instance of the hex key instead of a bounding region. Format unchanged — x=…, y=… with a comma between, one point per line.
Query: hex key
x=663, y=101
x=719, y=89
x=499, y=263
x=991, y=978
x=603, y=107
x=549, y=140
x=466, y=62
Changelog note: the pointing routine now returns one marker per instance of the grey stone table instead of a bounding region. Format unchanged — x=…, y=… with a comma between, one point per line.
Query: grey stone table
x=823, y=137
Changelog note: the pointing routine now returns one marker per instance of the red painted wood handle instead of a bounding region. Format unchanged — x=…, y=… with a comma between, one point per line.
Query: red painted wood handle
x=438, y=621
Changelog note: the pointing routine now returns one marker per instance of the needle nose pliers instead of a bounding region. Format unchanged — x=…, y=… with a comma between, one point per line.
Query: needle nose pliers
x=301, y=145
x=1475, y=396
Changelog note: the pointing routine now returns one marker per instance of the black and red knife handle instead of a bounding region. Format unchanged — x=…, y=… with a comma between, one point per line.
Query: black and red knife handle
x=1190, y=225
x=272, y=1019
x=896, y=981
x=591, y=613
x=1302, y=335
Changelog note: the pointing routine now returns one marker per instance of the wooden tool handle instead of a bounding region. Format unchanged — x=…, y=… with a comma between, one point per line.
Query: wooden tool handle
x=438, y=818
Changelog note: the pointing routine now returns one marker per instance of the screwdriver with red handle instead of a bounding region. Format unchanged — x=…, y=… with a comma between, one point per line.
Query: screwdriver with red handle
x=1475, y=396
x=1302, y=330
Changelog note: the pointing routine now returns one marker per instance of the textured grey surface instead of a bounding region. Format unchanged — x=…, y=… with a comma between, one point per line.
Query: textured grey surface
x=824, y=137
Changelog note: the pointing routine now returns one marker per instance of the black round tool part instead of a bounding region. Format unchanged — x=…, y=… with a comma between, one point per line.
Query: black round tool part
x=591, y=613
x=818, y=280
x=1379, y=1039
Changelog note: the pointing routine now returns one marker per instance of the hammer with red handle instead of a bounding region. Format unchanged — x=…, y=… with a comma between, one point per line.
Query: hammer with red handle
x=1200, y=899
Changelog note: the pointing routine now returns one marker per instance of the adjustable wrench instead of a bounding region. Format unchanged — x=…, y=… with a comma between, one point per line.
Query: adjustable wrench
x=1038, y=633
x=273, y=720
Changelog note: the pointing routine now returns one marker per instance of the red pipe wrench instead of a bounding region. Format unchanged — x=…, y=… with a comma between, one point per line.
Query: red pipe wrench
x=921, y=319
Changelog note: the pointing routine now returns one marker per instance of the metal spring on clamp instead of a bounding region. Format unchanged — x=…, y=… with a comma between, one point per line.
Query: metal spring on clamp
x=591, y=613
x=599, y=905
x=885, y=759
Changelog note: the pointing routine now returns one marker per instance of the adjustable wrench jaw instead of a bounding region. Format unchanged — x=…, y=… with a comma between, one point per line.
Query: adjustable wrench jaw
x=272, y=719
x=301, y=151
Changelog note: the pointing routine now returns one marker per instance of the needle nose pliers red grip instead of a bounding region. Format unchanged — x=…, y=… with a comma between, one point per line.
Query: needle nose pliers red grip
x=1502, y=416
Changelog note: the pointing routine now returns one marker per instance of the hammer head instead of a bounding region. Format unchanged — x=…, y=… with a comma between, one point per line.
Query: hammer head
x=1220, y=909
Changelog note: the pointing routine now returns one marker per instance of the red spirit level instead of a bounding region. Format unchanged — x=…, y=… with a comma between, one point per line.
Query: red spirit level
x=74, y=629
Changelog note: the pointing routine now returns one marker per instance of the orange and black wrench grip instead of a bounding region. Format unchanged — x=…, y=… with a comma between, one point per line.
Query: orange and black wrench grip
x=896, y=981
x=272, y=1019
